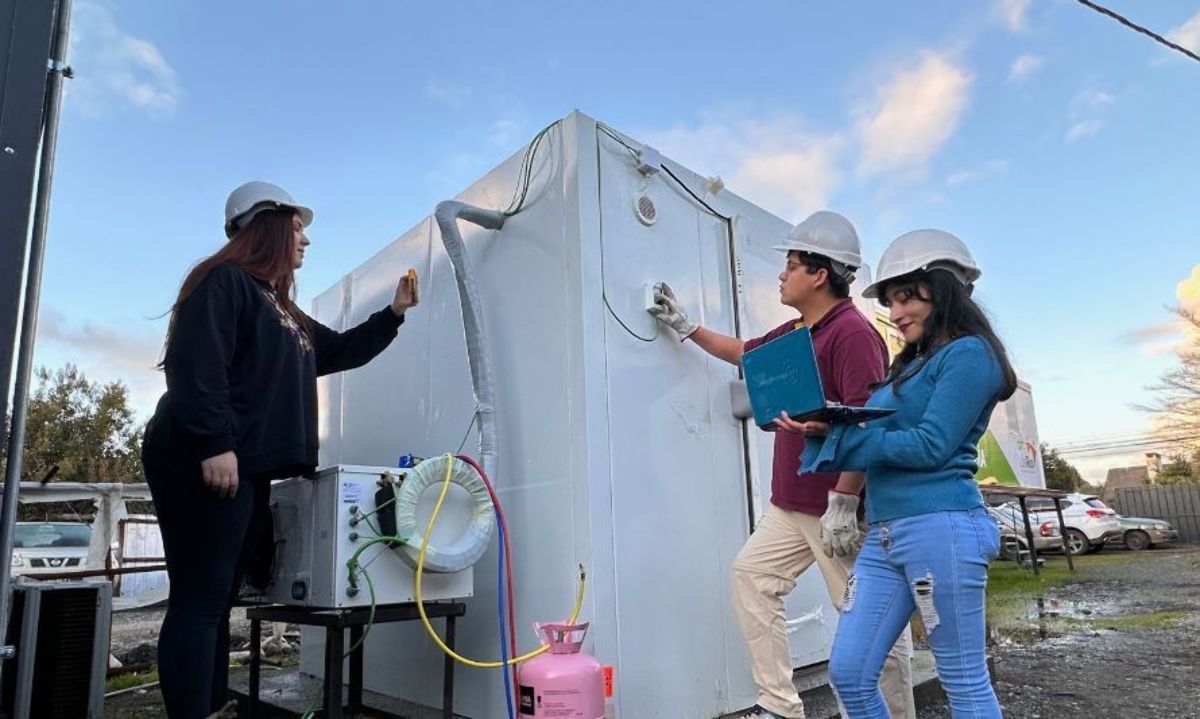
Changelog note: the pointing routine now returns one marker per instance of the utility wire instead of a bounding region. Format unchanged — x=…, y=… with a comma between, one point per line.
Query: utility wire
x=1182, y=436
x=1138, y=28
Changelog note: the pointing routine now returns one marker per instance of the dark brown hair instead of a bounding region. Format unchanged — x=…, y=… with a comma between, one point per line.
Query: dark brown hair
x=954, y=315
x=265, y=249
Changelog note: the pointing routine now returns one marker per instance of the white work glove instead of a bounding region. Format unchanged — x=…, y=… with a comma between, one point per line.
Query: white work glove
x=667, y=310
x=839, y=526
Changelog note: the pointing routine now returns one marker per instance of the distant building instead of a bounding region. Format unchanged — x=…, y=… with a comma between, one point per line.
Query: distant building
x=1125, y=477
x=1153, y=466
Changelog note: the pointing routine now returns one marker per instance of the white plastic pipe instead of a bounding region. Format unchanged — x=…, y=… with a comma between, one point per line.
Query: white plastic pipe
x=447, y=215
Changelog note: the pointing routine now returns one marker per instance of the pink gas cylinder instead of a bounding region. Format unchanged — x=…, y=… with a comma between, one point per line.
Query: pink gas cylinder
x=562, y=683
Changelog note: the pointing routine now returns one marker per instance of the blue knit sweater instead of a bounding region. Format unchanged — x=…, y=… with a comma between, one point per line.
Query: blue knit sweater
x=922, y=458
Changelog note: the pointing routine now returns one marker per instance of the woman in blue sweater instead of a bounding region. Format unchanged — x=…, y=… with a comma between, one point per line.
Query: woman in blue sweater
x=930, y=539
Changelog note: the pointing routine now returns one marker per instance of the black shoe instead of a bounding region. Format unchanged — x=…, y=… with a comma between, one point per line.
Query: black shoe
x=758, y=712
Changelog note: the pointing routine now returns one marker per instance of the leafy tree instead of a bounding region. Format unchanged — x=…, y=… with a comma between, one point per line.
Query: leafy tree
x=1178, y=469
x=1059, y=472
x=79, y=431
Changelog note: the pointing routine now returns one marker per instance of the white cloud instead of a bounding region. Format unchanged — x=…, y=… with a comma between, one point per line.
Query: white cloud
x=1176, y=335
x=1091, y=99
x=914, y=114
x=1083, y=129
x=1024, y=67
x=447, y=93
x=113, y=67
x=1187, y=34
x=107, y=353
x=1085, y=113
x=991, y=168
x=778, y=164
x=1011, y=13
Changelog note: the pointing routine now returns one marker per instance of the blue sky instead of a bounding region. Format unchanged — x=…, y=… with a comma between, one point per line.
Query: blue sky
x=1058, y=144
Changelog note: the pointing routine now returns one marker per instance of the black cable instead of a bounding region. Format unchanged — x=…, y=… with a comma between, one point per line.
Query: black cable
x=695, y=197
x=735, y=269
x=1138, y=28
x=626, y=327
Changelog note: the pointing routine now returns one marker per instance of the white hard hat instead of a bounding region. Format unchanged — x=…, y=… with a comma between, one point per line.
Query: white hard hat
x=830, y=235
x=254, y=197
x=924, y=250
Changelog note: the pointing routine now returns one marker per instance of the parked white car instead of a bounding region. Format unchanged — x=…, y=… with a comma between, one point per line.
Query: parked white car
x=1090, y=522
x=49, y=547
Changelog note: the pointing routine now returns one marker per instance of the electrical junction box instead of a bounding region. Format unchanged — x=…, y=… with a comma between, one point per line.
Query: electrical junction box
x=321, y=522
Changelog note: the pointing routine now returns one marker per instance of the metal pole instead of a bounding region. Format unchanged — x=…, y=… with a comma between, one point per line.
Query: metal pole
x=1062, y=533
x=33, y=286
x=1033, y=558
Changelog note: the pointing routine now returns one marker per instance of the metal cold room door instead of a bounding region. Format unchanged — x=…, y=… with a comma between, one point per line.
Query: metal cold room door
x=680, y=506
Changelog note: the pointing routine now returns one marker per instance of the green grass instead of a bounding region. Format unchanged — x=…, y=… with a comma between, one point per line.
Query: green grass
x=124, y=681
x=1153, y=620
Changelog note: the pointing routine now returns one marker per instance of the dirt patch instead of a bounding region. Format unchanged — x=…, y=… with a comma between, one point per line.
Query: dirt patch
x=1115, y=639
x=135, y=633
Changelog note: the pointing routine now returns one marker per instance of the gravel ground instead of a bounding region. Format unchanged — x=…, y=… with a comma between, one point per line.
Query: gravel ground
x=1116, y=641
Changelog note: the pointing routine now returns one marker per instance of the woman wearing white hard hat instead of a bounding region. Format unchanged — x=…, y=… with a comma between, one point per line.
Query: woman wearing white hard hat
x=930, y=538
x=241, y=362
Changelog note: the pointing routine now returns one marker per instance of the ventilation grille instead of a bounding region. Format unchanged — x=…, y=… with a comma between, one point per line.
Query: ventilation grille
x=66, y=647
x=646, y=210
x=66, y=638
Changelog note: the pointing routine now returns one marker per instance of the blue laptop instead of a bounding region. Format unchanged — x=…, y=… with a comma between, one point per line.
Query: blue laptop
x=782, y=376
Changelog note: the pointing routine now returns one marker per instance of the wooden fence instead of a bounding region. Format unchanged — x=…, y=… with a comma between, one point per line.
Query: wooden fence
x=1178, y=504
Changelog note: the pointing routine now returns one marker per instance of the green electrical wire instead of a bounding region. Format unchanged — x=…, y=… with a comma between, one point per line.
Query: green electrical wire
x=463, y=443
x=311, y=711
x=600, y=127
x=525, y=175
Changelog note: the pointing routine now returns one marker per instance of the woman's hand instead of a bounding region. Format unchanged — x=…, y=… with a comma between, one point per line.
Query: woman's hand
x=808, y=429
x=221, y=474
x=406, y=294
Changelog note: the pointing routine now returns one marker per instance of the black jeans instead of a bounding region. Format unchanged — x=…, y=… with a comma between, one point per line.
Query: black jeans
x=207, y=541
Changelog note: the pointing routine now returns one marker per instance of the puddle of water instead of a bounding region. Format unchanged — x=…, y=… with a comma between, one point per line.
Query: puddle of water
x=1035, y=619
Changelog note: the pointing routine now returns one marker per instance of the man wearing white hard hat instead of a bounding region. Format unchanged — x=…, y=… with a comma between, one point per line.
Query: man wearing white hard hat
x=812, y=518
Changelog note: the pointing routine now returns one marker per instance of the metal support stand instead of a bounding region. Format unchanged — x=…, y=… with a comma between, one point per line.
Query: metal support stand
x=336, y=622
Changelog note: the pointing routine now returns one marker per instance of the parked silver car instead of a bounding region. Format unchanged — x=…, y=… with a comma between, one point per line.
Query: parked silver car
x=1142, y=532
x=1046, y=534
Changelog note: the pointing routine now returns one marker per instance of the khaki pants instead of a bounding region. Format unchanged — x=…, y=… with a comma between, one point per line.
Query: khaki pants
x=783, y=545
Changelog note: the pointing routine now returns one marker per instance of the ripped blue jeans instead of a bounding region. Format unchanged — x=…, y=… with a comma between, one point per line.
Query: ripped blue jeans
x=935, y=564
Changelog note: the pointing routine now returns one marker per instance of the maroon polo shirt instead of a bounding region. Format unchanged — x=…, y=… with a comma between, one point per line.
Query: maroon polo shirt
x=851, y=357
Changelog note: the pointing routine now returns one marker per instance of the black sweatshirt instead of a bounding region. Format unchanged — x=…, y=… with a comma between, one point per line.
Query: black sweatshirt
x=241, y=377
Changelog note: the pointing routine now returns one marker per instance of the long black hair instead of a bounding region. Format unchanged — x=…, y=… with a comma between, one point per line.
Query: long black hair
x=954, y=315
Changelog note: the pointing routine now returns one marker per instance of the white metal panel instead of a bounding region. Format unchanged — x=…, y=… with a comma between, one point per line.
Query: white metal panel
x=615, y=453
x=141, y=545
x=674, y=463
x=416, y=397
